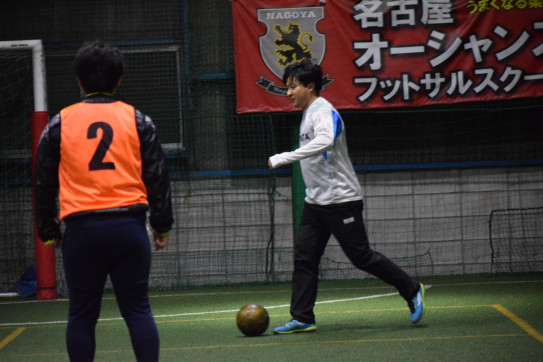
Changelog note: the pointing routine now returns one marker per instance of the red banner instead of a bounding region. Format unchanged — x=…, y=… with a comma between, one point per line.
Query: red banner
x=389, y=53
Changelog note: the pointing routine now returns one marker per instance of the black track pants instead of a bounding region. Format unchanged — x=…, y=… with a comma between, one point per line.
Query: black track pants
x=93, y=248
x=345, y=222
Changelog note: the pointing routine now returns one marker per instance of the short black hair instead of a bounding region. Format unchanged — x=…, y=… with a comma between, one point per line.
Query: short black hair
x=98, y=66
x=306, y=72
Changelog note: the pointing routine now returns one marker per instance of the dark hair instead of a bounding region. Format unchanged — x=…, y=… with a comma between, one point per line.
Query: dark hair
x=98, y=66
x=306, y=72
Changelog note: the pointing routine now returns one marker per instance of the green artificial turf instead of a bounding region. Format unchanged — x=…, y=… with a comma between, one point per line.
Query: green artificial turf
x=467, y=318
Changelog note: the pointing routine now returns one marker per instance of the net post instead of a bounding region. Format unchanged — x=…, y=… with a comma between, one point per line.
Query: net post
x=46, y=278
x=38, y=69
x=298, y=188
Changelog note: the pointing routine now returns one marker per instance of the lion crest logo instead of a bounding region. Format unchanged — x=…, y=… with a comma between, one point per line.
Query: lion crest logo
x=292, y=45
x=291, y=37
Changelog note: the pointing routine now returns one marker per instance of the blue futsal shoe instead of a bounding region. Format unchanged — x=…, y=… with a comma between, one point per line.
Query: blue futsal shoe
x=294, y=326
x=416, y=305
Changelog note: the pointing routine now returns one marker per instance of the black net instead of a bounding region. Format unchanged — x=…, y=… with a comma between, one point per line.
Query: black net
x=516, y=239
x=16, y=108
x=431, y=175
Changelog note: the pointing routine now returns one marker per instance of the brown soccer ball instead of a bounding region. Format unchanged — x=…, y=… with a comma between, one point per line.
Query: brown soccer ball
x=252, y=320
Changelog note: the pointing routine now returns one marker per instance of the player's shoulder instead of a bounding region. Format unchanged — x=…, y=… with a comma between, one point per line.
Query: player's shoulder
x=144, y=122
x=320, y=108
x=321, y=105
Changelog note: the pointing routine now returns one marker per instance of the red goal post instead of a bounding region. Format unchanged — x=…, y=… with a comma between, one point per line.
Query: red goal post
x=44, y=255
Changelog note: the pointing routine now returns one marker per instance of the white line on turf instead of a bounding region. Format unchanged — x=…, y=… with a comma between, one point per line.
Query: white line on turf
x=269, y=307
x=210, y=312
x=279, y=291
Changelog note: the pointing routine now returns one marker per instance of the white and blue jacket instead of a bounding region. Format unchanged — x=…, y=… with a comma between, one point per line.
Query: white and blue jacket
x=326, y=167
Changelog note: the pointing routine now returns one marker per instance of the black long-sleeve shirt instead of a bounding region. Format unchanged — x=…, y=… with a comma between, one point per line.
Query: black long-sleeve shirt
x=154, y=176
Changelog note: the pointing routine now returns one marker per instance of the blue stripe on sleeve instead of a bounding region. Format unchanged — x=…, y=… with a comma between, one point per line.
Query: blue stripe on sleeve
x=338, y=127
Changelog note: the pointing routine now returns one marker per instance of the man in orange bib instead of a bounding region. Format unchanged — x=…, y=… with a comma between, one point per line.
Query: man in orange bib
x=103, y=159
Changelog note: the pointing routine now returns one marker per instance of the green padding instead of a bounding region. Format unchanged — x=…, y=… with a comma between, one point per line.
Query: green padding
x=298, y=187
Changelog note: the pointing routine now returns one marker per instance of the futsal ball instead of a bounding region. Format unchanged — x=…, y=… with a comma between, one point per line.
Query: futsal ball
x=252, y=320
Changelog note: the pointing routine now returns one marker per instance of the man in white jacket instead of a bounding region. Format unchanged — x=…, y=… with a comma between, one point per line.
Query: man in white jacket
x=333, y=203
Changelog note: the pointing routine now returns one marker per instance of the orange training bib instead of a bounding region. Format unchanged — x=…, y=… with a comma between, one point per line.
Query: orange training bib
x=100, y=160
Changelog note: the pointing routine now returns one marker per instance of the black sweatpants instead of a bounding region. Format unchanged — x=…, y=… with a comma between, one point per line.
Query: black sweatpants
x=93, y=247
x=345, y=222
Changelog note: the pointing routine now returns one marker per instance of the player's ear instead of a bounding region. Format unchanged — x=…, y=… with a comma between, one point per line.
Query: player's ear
x=81, y=85
x=118, y=84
